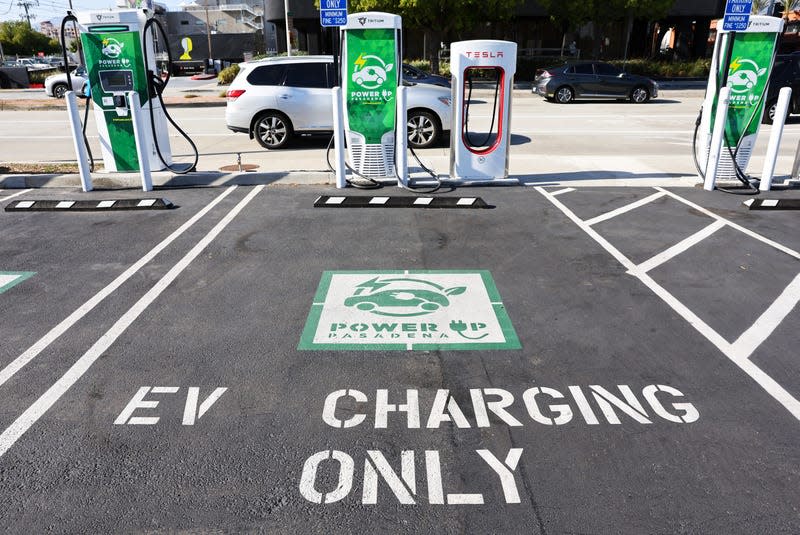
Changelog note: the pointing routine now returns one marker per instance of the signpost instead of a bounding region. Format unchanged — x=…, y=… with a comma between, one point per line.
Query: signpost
x=737, y=15
x=333, y=12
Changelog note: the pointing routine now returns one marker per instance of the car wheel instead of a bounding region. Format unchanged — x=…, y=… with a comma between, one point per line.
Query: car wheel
x=640, y=95
x=424, y=129
x=272, y=130
x=564, y=94
x=59, y=90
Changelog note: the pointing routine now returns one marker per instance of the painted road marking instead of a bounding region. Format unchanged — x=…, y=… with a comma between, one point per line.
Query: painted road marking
x=9, y=279
x=191, y=411
x=680, y=247
x=624, y=209
x=7, y=197
x=407, y=310
x=562, y=191
x=54, y=393
x=738, y=354
x=17, y=364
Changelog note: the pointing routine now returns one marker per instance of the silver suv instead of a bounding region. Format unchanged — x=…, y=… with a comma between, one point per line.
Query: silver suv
x=275, y=98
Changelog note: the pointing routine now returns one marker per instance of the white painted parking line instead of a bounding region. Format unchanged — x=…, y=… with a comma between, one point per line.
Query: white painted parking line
x=772, y=387
x=624, y=209
x=7, y=197
x=759, y=237
x=680, y=247
x=562, y=191
x=54, y=393
x=17, y=364
x=749, y=341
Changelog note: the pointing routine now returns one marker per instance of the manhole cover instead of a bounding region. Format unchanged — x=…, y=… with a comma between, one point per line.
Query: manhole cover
x=236, y=167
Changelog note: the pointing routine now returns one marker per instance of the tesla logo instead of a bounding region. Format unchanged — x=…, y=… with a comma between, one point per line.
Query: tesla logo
x=485, y=54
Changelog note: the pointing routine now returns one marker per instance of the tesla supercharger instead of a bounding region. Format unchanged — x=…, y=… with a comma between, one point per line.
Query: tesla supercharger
x=742, y=61
x=371, y=78
x=481, y=156
x=114, y=48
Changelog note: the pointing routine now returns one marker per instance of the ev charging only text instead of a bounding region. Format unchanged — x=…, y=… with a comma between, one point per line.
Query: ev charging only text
x=399, y=478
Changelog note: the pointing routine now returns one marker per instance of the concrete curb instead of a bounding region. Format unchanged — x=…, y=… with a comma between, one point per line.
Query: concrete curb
x=166, y=180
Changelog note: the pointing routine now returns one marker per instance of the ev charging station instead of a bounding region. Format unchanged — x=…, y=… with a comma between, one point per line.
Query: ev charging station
x=371, y=76
x=481, y=156
x=737, y=84
x=114, y=47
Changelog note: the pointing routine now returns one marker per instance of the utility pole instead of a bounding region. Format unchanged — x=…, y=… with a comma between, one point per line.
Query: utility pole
x=286, y=14
x=26, y=5
x=208, y=34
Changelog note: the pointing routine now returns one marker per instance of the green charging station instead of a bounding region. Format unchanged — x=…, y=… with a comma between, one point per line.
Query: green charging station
x=114, y=48
x=371, y=74
x=742, y=61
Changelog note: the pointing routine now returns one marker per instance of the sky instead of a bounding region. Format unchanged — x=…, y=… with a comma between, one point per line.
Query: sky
x=55, y=9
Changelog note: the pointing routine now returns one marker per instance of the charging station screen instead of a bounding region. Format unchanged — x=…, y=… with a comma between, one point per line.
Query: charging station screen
x=113, y=81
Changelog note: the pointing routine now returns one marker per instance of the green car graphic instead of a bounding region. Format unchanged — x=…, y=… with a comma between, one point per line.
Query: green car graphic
x=415, y=301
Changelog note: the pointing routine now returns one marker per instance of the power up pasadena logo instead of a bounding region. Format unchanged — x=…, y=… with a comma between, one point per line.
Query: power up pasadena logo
x=743, y=77
x=408, y=310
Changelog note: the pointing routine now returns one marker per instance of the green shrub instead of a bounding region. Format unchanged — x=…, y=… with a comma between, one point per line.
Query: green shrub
x=666, y=69
x=422, y=64
x=37, y=77
x=226, y=75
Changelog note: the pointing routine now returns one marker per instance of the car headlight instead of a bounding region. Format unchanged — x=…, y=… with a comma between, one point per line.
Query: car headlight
x=445, y=101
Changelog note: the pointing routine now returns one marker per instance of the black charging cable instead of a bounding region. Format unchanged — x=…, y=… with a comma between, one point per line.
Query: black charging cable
x=72, y=18
x=467, y=102
x=155, y=87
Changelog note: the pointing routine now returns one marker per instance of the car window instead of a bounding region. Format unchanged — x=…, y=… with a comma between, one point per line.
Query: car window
x=583, y=68
x=306, y=75
x=604, y=69
x=267, y=75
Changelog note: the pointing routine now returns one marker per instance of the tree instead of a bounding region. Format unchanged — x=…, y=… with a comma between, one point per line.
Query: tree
x=19, y=39
x=441, y=20
x=572, y=14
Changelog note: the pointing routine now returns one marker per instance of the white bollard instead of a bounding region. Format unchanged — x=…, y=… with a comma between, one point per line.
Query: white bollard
x=142, y=140
x=338, y=138
x=77, y=140
x=401, y=138
x=775, y=136
x=716, y=138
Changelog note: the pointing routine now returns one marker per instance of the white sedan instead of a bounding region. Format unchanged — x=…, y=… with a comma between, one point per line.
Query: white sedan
x=56, y=85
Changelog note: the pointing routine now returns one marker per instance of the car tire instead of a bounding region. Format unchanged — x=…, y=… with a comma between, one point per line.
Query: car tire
x=272, y=130
x=640, y=94
x=424, y=129
x=769, y=112
x=564, y=94
x=59, y=90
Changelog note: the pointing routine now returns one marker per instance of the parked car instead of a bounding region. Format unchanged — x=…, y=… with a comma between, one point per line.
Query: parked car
x=33, y=64
x=273, y=99
x=592, y=79
x=785, y=73
x=56, y=84
x=418, y=76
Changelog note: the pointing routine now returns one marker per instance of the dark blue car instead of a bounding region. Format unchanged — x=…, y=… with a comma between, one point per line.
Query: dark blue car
x=418, y=76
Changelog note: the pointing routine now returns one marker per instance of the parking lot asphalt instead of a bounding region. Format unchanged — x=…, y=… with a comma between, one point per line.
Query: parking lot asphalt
x=569, y=360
